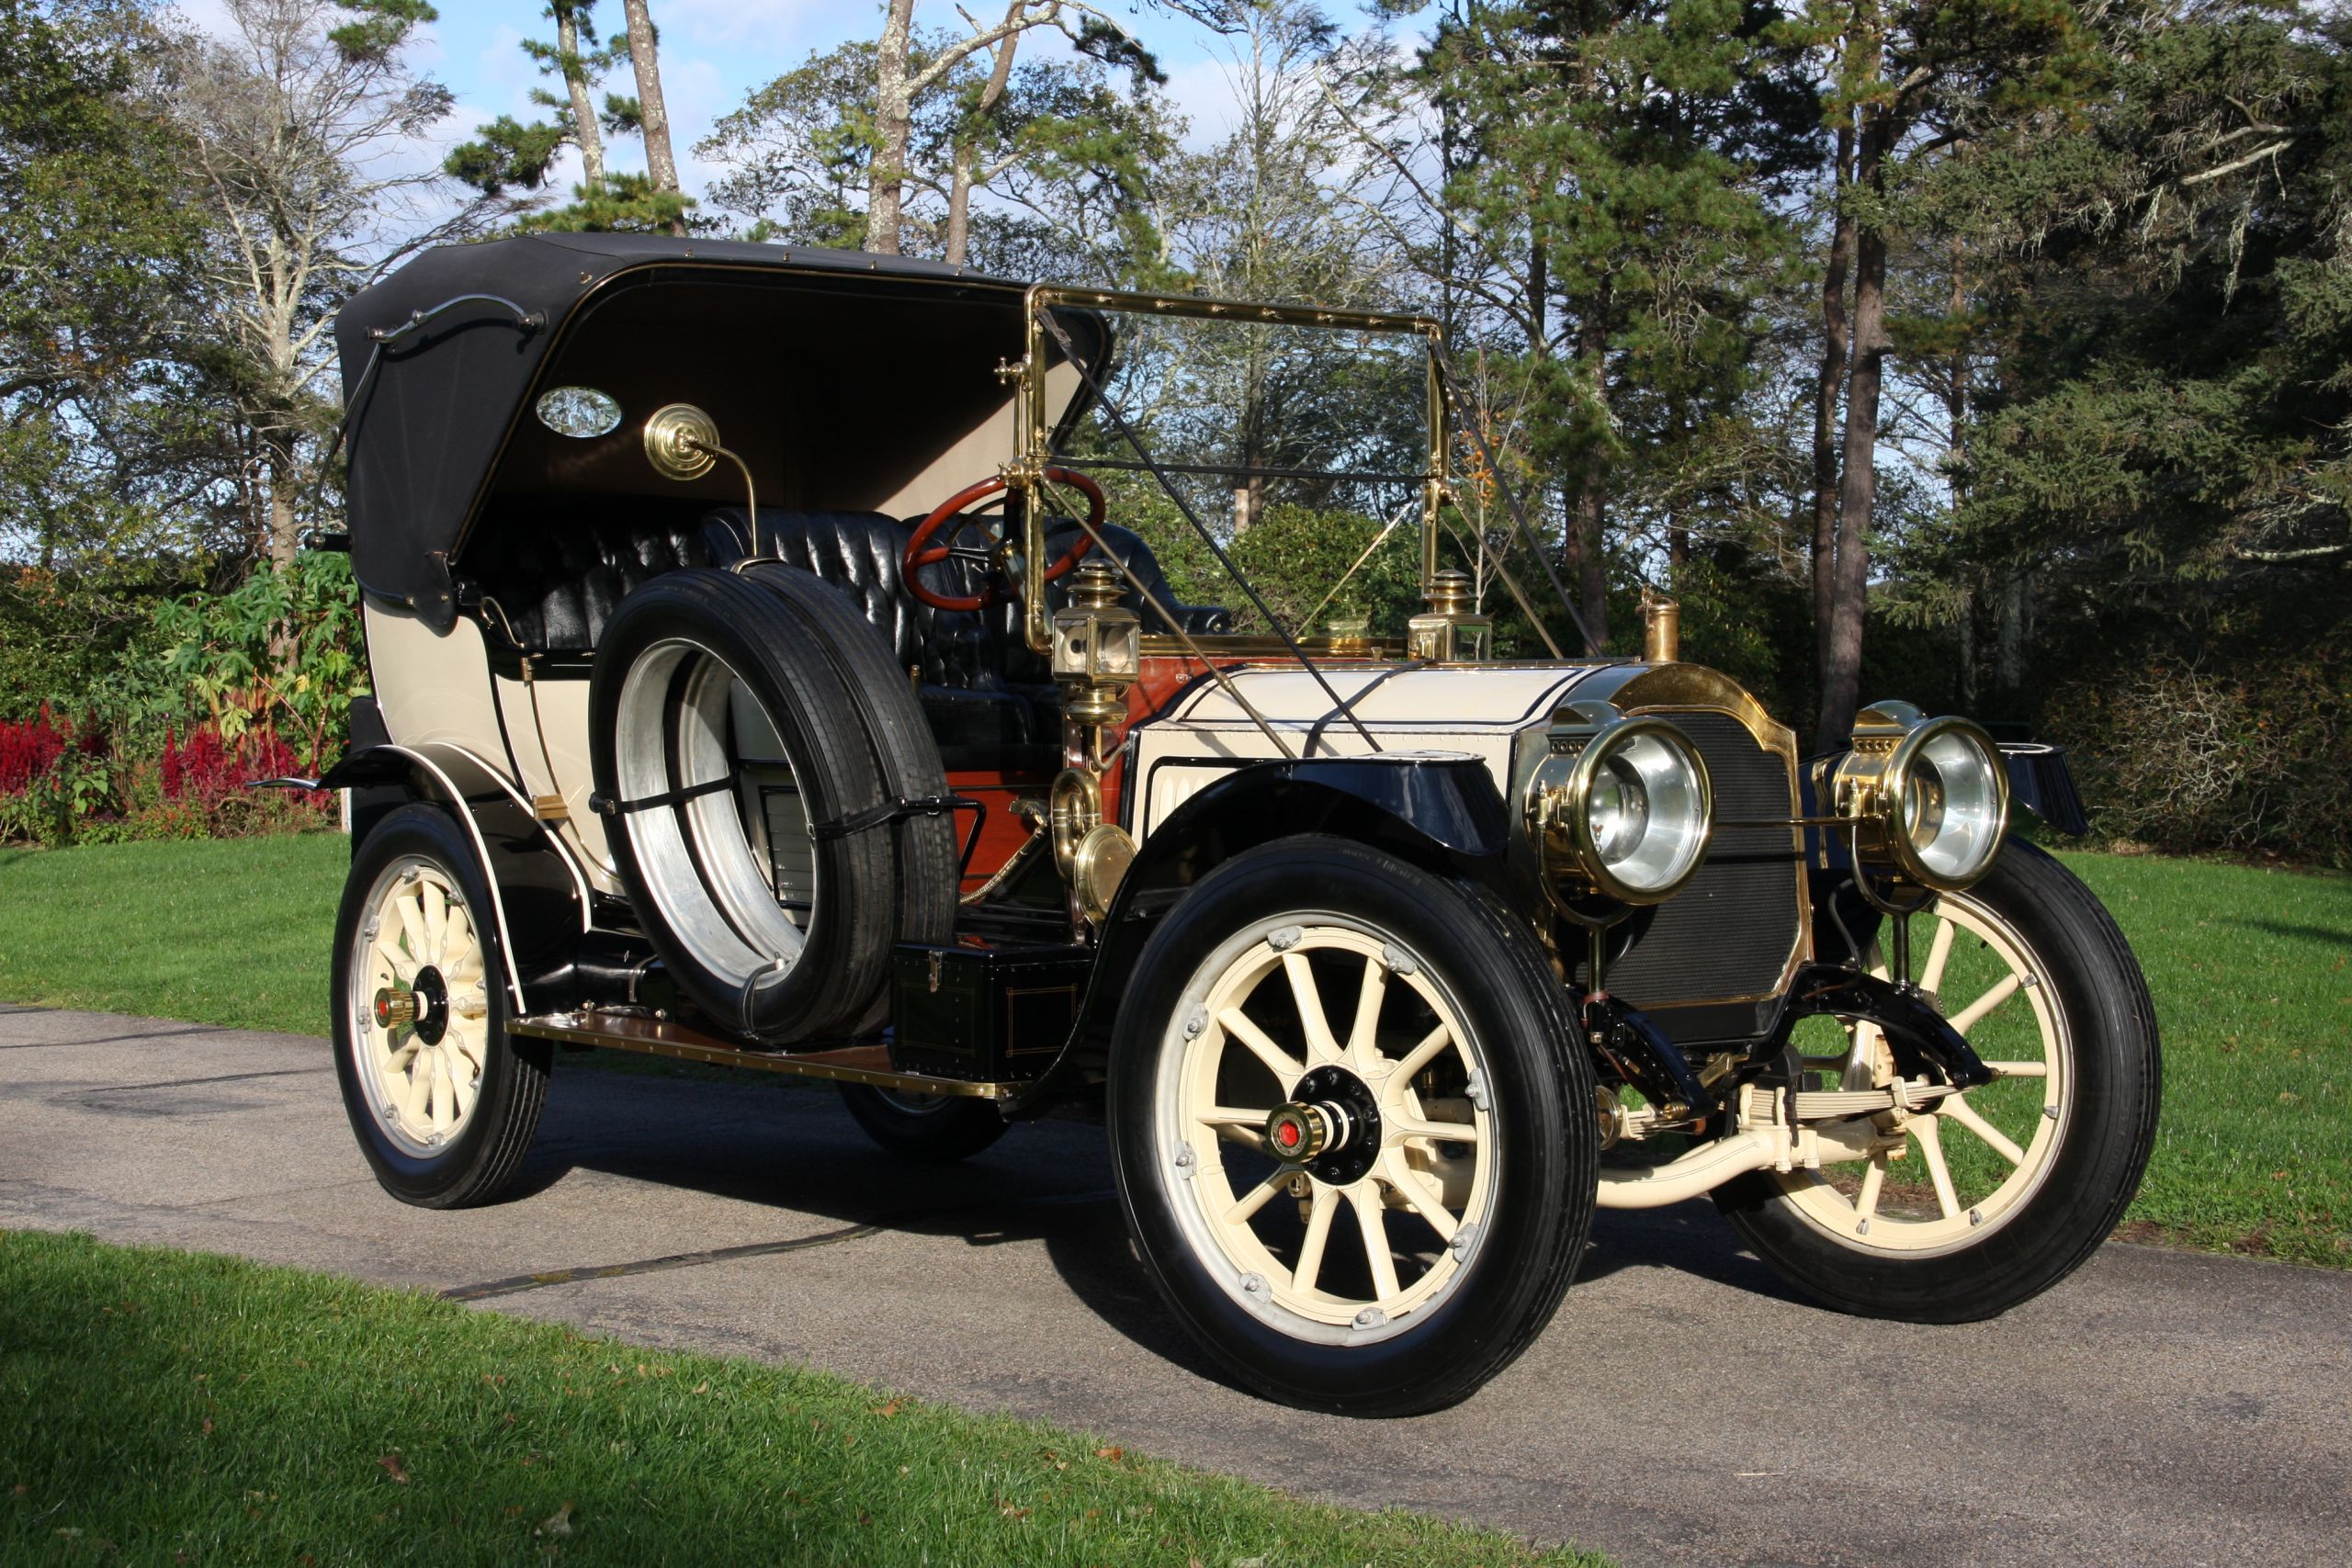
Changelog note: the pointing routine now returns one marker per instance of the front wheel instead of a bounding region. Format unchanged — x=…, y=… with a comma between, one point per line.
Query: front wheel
x=1991, y=1196
x=443, y=1102
x=1350, y=1127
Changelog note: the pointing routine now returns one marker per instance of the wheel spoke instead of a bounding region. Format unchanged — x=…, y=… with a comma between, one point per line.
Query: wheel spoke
x=1873, y=1177
x=1402, y=1127
x=419, y=1100
x=1959, y=1111
x=1939, y=951
x=412, y=914
x=1231, y=1116
x=1286, y=1068
x=2019, y=1069
x=1364, y=1032
x=1931, y=1147
x=1373, y=1222
x=1321, y=1205
x=463, y=1088
x=1258, y=1197
x=388, y=959
x=1432, y=1045
x=1974, y=1014
x=444, y=1093
x=1415, y=1189
x=1321, y=1046
x=436, y=919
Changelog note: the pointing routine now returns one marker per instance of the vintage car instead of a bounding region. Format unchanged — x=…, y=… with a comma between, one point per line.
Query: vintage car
x=762, y=678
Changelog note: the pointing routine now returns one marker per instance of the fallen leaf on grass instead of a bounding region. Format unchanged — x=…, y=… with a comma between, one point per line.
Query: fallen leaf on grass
x=557, y=1523
x=208, y=1425
x=394, y=1467
x=1008, y=1511
x=1114, y=1455
x=886, y=1411
x=702, y=1388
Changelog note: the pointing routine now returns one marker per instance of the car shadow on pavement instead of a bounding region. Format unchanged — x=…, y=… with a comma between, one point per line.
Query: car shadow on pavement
x=791, y=1147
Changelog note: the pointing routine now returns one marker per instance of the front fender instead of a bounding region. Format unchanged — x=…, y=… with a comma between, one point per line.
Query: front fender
x=1439, y=810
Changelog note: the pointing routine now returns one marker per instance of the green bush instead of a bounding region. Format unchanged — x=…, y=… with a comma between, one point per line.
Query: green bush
x=2250, y=754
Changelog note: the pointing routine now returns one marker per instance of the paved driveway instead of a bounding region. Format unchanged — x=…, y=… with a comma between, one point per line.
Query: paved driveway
x=2158, y=1409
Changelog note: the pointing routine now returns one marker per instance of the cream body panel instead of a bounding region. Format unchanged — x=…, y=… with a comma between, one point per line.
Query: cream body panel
x=432, y=685
x=563, y=715
x=1472, y=710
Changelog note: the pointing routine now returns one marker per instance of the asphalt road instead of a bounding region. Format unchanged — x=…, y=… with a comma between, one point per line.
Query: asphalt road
x=2159, y=1408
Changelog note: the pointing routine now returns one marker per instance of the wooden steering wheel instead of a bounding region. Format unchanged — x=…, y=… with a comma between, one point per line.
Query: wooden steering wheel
x=920, y=552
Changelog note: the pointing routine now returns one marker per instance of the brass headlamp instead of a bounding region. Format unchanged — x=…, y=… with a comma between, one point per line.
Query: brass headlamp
x=1929, y=796
x=1619, y=810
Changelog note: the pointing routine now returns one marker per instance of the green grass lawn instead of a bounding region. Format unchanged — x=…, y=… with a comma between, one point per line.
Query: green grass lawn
x=2252, y=970
x=231, y=931
x=199, y=1409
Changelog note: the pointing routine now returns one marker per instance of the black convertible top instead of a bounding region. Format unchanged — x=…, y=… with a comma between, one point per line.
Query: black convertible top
x=439, y=359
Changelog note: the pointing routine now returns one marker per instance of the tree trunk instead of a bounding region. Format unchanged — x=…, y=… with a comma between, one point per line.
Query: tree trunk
x=660, y=162
x=284, y=489
x=1835, y=342
x=1858, y=491
x=893, y=129
x=967, y=148
x=575, y=82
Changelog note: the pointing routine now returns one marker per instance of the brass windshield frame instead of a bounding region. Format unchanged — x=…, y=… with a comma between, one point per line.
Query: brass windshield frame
x=1034, y=425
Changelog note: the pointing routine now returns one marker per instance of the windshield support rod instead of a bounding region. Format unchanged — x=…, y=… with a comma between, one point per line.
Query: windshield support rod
x=1127, y=432
x=1241, y=470
x=1510, y=494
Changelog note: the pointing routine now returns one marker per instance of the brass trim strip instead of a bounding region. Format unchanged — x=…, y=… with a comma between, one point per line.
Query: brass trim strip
x=660, y=1037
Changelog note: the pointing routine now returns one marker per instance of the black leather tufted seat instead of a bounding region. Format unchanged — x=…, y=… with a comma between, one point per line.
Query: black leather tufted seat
x=558, y=577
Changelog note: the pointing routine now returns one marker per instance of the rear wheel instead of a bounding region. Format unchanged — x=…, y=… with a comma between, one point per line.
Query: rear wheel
x=444, y=1104
x=934, y=1129
x=1983, y=1199
x=1349, y=1128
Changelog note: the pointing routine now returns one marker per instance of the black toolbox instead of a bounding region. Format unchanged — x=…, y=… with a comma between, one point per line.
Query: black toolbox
x=988, y=1014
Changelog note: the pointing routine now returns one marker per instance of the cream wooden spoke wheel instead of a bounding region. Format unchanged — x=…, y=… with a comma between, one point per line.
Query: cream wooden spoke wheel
x=1967, y=1163
x=1971, y=1202
x=1332, y=1106
x=443, y=1102
x=1340, y=1099
x=421, y=1017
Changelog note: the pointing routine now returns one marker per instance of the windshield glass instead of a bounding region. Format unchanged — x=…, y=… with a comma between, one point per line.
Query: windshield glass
x=1303, y=448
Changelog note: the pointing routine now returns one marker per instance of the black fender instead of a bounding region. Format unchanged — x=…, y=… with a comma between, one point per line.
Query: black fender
x=541, y=897
x=1438, y=809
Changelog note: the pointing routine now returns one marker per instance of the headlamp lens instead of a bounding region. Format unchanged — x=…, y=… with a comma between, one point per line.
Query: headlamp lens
x=1646, y=814
x=1952, y=805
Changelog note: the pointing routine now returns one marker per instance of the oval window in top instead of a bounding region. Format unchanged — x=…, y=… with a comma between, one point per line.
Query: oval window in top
x=581, y=413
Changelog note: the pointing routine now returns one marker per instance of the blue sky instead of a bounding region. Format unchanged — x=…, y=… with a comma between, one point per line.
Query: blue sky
x=716, y=52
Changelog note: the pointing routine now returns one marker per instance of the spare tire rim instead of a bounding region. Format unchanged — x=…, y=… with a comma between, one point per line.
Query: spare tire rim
x=1971, y=1163
x=695, y=858
x=420, y=1003
x=1361, y=1238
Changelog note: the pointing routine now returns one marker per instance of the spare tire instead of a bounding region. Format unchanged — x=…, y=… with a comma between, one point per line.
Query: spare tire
x=929, y=863
x=723, y=732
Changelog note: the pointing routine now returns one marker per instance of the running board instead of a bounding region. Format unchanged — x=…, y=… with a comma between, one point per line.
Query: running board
x=661, y=1037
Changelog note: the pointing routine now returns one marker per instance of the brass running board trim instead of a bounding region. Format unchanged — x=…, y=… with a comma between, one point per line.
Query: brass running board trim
x=657, y=1037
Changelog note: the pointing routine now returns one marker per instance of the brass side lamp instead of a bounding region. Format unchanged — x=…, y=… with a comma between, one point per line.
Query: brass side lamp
x=1098, y=648
x=1450, y=631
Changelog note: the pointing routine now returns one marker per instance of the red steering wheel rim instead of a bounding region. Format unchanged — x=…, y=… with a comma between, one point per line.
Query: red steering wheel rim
x=920, y=552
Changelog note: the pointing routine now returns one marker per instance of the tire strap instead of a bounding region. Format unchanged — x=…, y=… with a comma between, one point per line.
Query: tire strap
x=891, y=811
x=604, y=806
